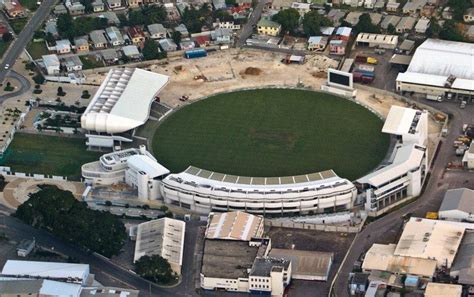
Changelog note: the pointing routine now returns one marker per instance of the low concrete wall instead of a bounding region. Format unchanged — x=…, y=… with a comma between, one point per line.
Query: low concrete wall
x=325, y=228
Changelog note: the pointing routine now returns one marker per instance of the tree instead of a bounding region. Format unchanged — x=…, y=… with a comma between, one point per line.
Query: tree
x=365, y=25
x=449, y=31
x=60, y=213
x=150, y=50
x=2, y=182
x=223, y=16
x=88, y=5
x=154, y=14
x=288, y=19
x=176, y=36
x=313, y=22
x=459, y=7
x=7, y=37
x=194, y=19
x=155, y=268
x=38, y=79
x=61, y=92
x=136, y=17
x=434, y=28
x=65, y=25
x=391, y=29
x=231, y=3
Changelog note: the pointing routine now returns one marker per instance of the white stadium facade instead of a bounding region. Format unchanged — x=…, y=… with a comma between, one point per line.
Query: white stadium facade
x=440, y=67
x=122, y=103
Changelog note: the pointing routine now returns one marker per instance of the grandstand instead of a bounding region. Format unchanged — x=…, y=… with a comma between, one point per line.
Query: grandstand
x=204, y=191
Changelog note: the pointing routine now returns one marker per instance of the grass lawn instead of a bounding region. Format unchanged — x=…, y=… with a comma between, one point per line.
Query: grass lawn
x=3, y=47
x=272, y=133
x=18, y=24
x=32, y=5
x=37, y=49
x=51, y=155
x=90, y=62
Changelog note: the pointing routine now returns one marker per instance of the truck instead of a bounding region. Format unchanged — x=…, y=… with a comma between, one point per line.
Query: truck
x=365, y=59
x=365, y=67
x=360, y=77
x=195, y=53
x=438, y=98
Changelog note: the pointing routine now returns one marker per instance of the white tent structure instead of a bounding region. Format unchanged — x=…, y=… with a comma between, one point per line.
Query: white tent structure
x=440, y=66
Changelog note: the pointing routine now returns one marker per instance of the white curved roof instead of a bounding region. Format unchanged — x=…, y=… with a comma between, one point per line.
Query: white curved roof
x=444, y=58
x=123, y=100
x=324, y=182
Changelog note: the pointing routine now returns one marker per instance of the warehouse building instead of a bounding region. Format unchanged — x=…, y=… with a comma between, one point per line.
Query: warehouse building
x=164, y=237
x=443, y=290
x=463, y=266
x=425, y=246
x=377, y=40
x=234, y=225
x=121, y=103
x=37, y=287
x=457, y=205
x=306, y=265
x=405, y=174
x=440, y=67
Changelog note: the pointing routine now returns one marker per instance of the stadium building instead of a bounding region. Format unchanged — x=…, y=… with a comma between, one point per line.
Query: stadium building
x=205, y=191
x=136, y=167
x=440, y=67
x=121, y=104
x=405, y=174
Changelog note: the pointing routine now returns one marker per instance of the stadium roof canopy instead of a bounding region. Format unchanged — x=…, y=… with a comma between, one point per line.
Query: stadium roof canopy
x=123, y=100
x=436, y=60
x=399, y=120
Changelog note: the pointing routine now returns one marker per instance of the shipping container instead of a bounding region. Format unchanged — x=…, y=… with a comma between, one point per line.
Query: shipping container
x=195, y=53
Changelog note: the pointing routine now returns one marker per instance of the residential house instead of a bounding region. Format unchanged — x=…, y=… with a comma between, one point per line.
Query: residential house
x=112, y=18
x=114, y=4
x=172, y=12
x=407, y=47
x=327, y=31
x=187, y=44
x=375, y=17
x=369, y=4
x=52, y=28
x=14, y=9
x=76, y=8
x=353, y=17
x=226, y=25
x=470, y=33
x=406, y=24
x=239, y=12
x=137, y=36
x=168, y=45
x=98, y=6
x=267, y=27
x=422, y=25
x=110, y=56
x=413, y=6
x=379, y=5
x=392, y=6
x=202, y=40
x=134, y=3
x=3, y=29
x=343, y=33
x=337, y=47
x=81, y=44
x=60, y=9
x=98, y=39
x=390, y=20
x=51, y=64
x=71, y=63
x=222, y=36
x=428, y=10
x=219, y=4
x=63, y=46
x=469, y=15
x=157, y=31
x=114, y=36
x=447, y=13
x=302, y=8
x=131, y=52
x=181, y=28
x=335, y=15
x=281, y=4
x=317, y=43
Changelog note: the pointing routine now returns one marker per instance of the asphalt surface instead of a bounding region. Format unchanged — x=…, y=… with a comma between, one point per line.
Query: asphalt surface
x=25, y=36
x=248, y=28
x=25, y=85
x=390, y=225
x=104, y=269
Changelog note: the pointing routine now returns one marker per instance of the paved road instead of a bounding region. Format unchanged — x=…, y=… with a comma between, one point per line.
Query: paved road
x=102, y=268
x=389, y=225
x=25, y=36
x=248, y=28
x=25, y=85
